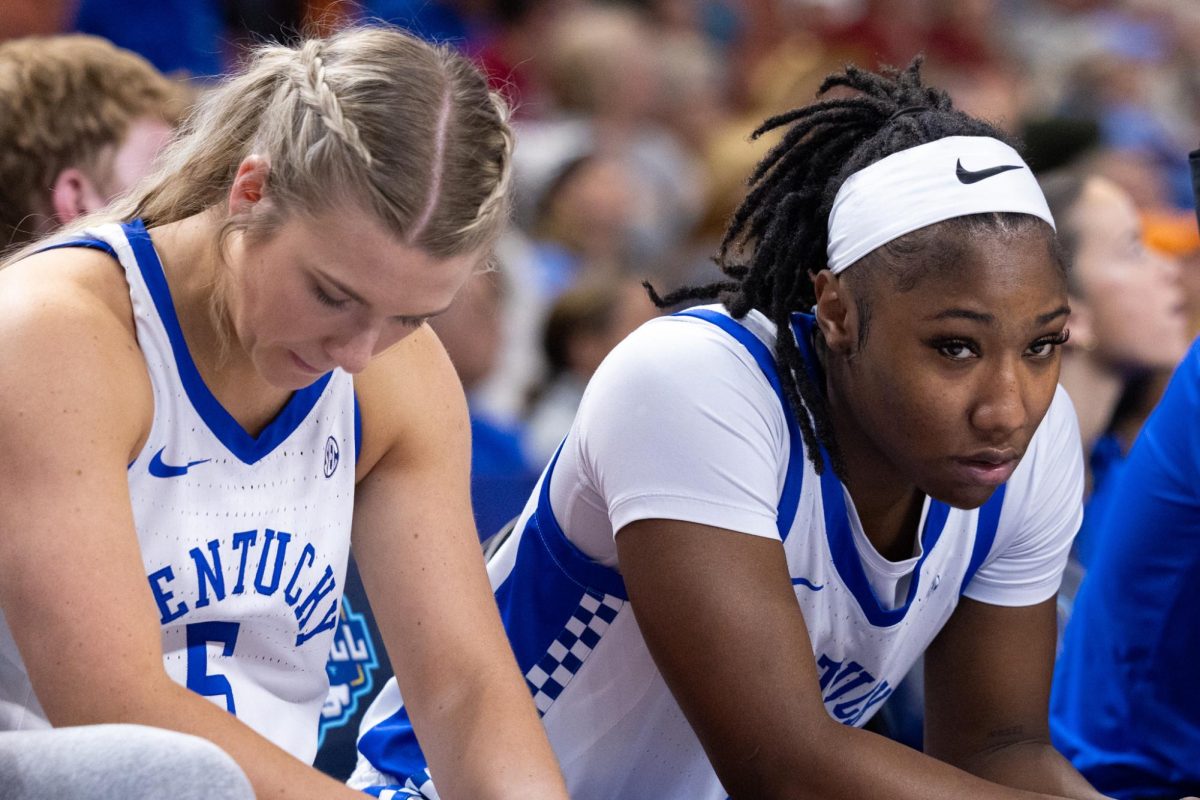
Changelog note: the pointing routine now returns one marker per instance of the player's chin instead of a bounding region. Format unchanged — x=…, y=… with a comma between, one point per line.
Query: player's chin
x=285, y=371
x=953, y=491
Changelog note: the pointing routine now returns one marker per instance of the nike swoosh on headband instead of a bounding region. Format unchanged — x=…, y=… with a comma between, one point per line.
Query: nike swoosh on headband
x=976, y=175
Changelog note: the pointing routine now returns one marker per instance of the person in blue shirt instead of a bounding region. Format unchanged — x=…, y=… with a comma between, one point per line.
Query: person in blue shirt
x=1123, y=705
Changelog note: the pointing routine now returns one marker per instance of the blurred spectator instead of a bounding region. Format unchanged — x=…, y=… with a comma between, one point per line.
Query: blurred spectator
x=695, y=91
x=501, y=476
x=1115, y=92
x=884, y=32
x=994, y=90
x=1168, y=229
x=785, y=76
x=583, y=326
x=201, y=38
x=585, y=222
x=453, y=21
x=80, y=122
x=604, y=76
x=174, y=35
x=1128, y=319
x=510, y=49
x=33, y=17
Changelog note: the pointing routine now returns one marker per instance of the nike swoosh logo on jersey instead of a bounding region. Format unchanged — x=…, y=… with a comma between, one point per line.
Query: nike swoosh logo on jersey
x=160, y=469
x=977, y=175
x=807, y=584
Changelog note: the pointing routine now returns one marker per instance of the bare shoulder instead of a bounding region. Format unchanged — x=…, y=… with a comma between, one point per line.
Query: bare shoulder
x=67, y=333
x=410, y=398
x=77, y=281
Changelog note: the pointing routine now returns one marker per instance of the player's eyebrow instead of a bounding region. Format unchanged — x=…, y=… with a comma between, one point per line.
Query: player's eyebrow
x=988, y=319
x=962, y=313
x=1061, y=311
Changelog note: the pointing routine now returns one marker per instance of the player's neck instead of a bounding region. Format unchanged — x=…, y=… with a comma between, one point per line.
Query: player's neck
x=190, y=259
x=888, y=503
x=191, y=264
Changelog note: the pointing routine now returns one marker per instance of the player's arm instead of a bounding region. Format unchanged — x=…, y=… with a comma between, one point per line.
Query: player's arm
x=420, y=560
x=75, y=403
x=987, y=692
x=721, y=620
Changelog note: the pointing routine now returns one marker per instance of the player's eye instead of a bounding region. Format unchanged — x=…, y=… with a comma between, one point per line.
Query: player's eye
x=327, y=299
x=1045, y=347
x=955, y=349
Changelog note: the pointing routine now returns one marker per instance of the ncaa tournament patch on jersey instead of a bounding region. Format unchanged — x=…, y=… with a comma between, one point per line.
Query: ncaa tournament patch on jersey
x=351, y=666
x=357, y=668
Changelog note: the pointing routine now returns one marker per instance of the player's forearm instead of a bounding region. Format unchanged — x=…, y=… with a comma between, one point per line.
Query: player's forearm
x=1036, y=766
x=489, y=743
x=843, y=763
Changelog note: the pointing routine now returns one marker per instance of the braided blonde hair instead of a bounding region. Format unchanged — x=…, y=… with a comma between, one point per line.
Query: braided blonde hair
x=370, y=117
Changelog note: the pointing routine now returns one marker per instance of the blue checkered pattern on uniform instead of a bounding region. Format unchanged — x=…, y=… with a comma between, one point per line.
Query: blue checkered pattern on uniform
x=571, y=647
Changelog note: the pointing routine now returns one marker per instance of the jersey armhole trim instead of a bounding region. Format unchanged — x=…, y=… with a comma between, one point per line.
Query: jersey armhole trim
x=789, y=498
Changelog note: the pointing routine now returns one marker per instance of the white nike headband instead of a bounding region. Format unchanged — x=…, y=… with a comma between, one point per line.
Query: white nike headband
x=947, y=178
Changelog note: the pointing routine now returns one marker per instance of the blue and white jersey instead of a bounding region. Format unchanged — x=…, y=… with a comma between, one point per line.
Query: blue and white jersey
x=244, y=538
x=686, y=420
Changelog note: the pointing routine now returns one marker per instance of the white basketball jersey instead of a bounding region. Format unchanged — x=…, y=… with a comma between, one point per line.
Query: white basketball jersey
x=613, y=723
x=244, y=538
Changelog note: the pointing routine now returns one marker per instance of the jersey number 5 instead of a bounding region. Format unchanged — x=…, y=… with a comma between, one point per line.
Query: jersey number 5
x=199, y=635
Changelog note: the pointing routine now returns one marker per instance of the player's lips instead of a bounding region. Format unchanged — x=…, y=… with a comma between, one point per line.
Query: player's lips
x=305, y=366
x=989, y=467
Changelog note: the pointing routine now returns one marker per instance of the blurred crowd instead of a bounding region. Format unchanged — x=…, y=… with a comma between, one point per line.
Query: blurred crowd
x=635, y=121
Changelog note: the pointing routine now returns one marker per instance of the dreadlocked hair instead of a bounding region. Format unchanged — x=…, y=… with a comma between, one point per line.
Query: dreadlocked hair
x=777, y=239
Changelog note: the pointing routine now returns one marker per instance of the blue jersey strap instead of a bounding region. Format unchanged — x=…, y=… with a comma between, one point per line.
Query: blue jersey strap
x=789, y=498
x=83, y=241
x=985, y=534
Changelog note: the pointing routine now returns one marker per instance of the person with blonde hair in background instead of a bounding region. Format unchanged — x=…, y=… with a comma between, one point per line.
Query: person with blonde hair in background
x=81, y=121
x=217, y=380
x=1128, y=320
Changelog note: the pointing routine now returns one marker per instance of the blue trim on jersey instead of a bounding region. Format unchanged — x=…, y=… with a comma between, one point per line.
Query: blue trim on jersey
x=247, y=448
x=789, y=499
x=985, y=534
x=845, y=555
x=85, y=242
x=570, y=560
x=357, y=429
x=392, y=747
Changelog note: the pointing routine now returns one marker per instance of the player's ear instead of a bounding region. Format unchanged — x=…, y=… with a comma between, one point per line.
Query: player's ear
x=836, y=315
x=74, y=194
x=249, y=184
